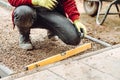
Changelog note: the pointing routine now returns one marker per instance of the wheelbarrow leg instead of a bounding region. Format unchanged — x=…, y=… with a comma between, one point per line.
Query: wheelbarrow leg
x=98, y=13
x=106, y=13
x=117, y=8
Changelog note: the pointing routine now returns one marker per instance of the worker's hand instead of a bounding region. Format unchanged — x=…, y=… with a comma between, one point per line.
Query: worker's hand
x=80, y=27
x=49, y=4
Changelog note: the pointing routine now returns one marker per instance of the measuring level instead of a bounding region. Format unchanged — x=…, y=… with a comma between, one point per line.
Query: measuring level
x=59, y=57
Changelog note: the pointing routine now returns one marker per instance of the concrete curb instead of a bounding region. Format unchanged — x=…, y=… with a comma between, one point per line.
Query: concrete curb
x=5, y=4
x=5, y=71
x=96, y=52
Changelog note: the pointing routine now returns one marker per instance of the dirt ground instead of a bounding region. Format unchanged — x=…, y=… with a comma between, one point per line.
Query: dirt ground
x=16, y=58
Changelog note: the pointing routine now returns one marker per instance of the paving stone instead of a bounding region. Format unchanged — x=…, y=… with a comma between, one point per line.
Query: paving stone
x=43, y=75
x=78, y=71
x=107, y=62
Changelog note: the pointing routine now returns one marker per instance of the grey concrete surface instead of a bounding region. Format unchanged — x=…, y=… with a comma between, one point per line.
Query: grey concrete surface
x=43, y=75
x=107, y=62
x=6, y=5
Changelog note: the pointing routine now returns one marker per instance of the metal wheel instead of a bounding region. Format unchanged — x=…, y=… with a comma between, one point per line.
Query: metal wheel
x=91, y=7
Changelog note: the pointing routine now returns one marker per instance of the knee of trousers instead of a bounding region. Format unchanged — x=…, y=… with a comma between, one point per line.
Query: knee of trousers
x=62, y=27
x=72, y=38
x=24, y=16
x=66, y=32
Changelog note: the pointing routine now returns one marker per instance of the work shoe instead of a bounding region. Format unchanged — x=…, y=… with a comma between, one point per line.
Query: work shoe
x=25, y=43
x=52, y=36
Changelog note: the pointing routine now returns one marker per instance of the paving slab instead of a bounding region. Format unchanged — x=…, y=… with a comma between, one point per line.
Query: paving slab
x=107, y=62
x=79, y=71
x=42, y=75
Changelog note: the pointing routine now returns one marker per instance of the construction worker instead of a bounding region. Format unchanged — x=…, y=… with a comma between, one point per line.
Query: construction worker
x=60, y=17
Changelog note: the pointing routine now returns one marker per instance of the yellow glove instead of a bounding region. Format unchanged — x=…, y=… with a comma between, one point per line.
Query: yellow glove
x=80, y=27
x=49, y=4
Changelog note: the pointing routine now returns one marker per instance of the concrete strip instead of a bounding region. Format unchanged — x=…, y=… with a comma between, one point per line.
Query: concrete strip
x=116, y=46
x=95, y=52
x=91, y=54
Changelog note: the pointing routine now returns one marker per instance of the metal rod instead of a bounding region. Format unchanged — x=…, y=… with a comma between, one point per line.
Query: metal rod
x=98, y=41
x=110, y=13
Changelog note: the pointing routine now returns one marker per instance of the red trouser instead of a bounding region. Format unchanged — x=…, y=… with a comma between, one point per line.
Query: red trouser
x=26, y=17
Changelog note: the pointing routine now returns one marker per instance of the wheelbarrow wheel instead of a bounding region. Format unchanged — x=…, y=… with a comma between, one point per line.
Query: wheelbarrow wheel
x=91, y=7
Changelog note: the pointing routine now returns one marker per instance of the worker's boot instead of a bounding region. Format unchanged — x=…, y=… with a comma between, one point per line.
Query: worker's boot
x=51, y=36
x=24, y=40
x=23, y=18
